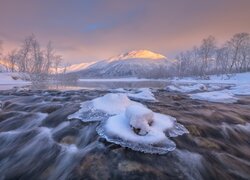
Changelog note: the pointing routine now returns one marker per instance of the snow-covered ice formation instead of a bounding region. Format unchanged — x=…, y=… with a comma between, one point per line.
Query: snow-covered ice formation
x=111, y=104
x=142, y=130
x=131, y=124
x=103, y=107
x=142, y=94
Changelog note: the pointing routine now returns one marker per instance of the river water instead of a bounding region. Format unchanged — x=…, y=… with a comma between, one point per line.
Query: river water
x=38, y=141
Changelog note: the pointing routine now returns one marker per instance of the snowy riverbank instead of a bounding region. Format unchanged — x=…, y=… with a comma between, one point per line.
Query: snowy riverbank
x=216, y=89
x=10, y=80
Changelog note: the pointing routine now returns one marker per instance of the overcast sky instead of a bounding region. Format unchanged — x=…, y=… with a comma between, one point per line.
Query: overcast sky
x=89, y=30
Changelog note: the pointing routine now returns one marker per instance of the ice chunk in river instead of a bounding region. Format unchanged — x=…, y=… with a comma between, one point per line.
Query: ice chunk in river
x=103, y=107
x=144, y=94
x=131, y=124
x=151, y=136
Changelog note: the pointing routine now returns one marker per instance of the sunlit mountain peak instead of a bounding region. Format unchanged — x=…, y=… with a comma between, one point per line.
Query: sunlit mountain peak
x=138, y=54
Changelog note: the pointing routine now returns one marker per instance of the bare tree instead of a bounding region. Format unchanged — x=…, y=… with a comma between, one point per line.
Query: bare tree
x=56, y=62
x=238, y=46
x=25, y=54
x=32, y=59
x=12, y=59
x=234, y=56
x=49, y=57
x=207, y=52
x=222, y=60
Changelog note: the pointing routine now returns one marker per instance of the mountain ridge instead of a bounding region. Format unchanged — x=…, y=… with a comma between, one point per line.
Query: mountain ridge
x=142, y=63
x=135, y=55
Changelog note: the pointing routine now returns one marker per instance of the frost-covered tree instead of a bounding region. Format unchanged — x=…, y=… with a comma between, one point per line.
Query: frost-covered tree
x=12, y=59
x=233, y=56
x=207, y=51
x=238, y=47
x=33, y=59
x=57, y=60
x=222, y=60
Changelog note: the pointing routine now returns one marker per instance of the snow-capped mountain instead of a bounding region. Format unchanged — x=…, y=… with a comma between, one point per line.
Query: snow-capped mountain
x=141, y=63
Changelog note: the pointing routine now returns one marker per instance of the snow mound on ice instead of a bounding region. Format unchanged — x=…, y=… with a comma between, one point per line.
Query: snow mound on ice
x=112, y=103
x=103, y=107
x=139, y=129
x=140, y=118
x=215, y=96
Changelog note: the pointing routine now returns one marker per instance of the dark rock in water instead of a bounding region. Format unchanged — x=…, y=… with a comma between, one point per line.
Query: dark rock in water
x=59, y=116
x=38, y=141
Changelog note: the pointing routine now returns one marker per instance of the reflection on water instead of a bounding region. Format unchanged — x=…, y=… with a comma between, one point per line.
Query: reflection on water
x=99, y=85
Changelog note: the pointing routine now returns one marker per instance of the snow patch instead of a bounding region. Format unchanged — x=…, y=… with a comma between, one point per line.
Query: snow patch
x=241, y=90
x=223, y=88
x=10, y=80
x=142, y=94
x=215, y=96
x=187, y=88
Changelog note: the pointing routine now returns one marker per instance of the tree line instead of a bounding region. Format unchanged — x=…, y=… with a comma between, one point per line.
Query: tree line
x=32, y=59
x=204, y=60
x=207, y=59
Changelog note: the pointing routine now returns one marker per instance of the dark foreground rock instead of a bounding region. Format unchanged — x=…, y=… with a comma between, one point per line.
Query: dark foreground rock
x=37, y=141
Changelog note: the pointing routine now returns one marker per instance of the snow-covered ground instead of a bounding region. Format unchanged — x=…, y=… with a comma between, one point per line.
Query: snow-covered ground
x=10, y=80
x=215, y=96
x=240, y=78
x=216, y=89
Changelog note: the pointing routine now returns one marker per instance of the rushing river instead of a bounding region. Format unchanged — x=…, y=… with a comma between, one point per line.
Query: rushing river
x=38, y=141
